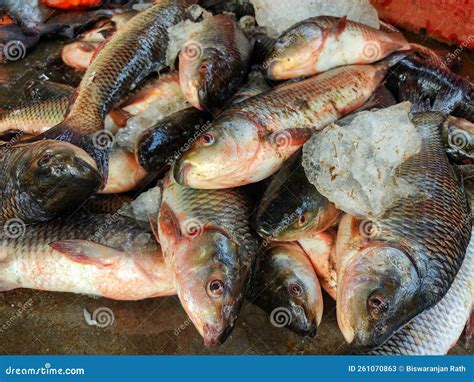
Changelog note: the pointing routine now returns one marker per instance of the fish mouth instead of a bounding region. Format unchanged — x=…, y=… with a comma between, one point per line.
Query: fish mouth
x=215, y=336
x=181, y=172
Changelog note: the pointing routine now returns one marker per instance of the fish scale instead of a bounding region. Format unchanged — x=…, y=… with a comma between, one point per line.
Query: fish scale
x=282, y=108
x=434, y=331
x=441, y=213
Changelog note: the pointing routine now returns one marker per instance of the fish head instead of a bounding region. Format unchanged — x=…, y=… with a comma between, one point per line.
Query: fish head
x=210, y=78
x=289, y=289
x=211, y=284
x=286, y=217
x=295, y=52
x=58, y=173
x=219, y=156
x=377, y=292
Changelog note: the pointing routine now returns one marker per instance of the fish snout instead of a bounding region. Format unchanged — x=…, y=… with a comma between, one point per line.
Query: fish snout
x=215, y=335
x=181, y=171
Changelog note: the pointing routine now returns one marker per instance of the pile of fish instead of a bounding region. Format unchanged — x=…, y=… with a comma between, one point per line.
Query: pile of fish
x=221, y=132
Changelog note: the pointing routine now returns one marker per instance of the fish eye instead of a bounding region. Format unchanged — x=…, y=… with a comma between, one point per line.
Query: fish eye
x=44, y=160
x=376, y=305
x=303, y=219
x=295, y=289
x=216, y=287
x=206, y=139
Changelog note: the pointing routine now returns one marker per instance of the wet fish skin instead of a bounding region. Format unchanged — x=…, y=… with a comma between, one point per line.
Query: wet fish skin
x=35, y=117
x=291, y=206
x=408, y=261
x=133, y=52
x=103, y=255
x=449, y=92
x=163, y=143
x=436, y=330
x=208, y=245
x=125, y=173
x=321, y=251
x=40, y=180
x=285, y=284
x=213, y=63
x=251, y=140
x=321, y=43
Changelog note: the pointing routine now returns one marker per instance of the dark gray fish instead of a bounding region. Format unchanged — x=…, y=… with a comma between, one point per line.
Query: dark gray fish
x=291, y=206
x=392, y=268
x=42, y=179
x=287, y=288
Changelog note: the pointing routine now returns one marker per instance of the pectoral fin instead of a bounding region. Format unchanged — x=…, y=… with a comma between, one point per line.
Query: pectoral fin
x=89, y=252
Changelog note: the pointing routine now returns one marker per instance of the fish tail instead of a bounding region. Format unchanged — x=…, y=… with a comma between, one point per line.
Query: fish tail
x=410, y=91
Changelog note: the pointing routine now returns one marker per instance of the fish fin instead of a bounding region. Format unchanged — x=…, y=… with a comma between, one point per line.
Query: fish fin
x=410, y=91
x=88, y=252
x=340, y=27
x=388, y=28
x=120, y=117
x=169, y=223
x=154, y=228
x=447, y=99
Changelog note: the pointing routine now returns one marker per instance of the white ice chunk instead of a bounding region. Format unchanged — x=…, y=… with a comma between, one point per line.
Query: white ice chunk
x=354, y=165
x=277, y=15
x=145, y=206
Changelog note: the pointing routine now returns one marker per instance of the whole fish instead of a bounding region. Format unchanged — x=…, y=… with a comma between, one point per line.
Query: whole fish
x=39, y=180
x=131, y=54
x=436, y=330
x=403, y=263
x=321, y=43
x=320, y=249
x=287, y=288
x=213, y=62
x=164, y=142
x=103, y=255
x=251, y=140
x=291, y=206
x=208, y=245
